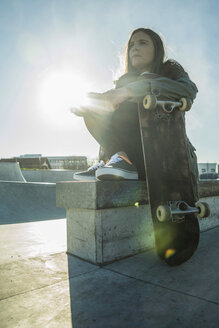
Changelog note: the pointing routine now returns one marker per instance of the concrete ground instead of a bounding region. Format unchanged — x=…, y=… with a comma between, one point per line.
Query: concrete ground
x=42, y=286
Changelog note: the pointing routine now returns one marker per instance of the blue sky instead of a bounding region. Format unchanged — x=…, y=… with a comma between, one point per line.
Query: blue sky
x=50, y=50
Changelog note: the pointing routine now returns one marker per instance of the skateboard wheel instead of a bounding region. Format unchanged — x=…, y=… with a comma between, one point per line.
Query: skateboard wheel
x=163, y=213
x=149, y=102
x=186, y=104
x=204, y=210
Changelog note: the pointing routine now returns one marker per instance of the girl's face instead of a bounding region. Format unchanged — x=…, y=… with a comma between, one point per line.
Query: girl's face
x=141, y=51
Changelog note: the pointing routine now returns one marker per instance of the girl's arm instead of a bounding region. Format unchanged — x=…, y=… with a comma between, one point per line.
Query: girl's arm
x=174, y=88
x=168, y=88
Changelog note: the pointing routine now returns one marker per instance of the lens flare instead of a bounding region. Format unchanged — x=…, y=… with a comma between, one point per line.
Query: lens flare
x=169, y=252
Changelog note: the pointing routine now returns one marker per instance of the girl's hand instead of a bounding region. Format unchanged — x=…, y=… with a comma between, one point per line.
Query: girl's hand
x=116, y=96
x=88, y=104
x=108, y=101
x=78, y=111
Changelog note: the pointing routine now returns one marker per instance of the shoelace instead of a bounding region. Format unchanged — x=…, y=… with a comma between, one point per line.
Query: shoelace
x=96, y=166
x=114, y=159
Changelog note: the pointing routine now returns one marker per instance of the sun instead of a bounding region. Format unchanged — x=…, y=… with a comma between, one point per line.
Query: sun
x=59, y=90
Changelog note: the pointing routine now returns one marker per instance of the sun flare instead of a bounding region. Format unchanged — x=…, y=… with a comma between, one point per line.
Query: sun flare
x=59, y=90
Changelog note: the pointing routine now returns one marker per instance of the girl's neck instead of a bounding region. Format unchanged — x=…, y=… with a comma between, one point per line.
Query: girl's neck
x=144, y=70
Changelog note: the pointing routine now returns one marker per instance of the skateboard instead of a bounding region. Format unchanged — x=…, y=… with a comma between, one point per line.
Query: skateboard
x=173, y=207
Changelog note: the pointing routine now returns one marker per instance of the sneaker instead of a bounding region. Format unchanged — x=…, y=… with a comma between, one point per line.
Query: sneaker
x=88, y=174
x=119, y=167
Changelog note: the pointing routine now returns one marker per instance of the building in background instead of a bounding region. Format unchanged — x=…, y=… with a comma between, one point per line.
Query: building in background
x=68, y=162
x=207, y=168
x=208, y=171
x=37, y=161
x=30, y=161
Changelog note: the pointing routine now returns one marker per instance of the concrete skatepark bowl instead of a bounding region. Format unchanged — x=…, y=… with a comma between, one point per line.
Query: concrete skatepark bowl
x=22, y=201
x=11, y=172
x=27, y=202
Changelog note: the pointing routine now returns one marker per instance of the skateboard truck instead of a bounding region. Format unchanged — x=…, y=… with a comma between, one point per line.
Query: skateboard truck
x=176, y=211
x=151, y=102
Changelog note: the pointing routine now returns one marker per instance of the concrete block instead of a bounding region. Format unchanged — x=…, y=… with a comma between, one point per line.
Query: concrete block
x=126, y=231
x=102, y=236
x=104, y=225
x=213, y=220
x=100, y=194
x=81, y=233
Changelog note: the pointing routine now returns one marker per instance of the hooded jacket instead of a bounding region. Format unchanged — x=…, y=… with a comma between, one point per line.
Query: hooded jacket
x=173, y=83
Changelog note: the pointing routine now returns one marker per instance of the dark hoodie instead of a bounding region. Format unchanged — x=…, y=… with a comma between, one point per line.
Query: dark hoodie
x=173, y=83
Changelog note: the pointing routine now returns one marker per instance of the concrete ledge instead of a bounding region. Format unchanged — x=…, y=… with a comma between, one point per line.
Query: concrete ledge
x=105, y=224
x=213, y=220
x=100, y=194
x=105, y=194
x=208, y=188
x=48, y=175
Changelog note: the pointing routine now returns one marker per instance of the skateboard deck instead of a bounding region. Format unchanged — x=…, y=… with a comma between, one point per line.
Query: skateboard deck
x=168, y=178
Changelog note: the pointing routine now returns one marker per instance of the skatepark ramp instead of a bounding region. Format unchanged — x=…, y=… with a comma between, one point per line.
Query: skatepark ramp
x=10, y=171
x=27, y=202
x=54, y=176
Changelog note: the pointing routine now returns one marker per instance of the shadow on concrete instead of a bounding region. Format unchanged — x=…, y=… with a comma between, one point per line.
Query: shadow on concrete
x=28, y=219
x=140, y=291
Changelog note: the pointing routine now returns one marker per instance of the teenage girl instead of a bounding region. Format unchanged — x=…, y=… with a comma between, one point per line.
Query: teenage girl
x=117, y=131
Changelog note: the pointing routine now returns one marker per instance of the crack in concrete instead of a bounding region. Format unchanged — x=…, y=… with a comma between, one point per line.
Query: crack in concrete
x=164, y=287
x=55, y=283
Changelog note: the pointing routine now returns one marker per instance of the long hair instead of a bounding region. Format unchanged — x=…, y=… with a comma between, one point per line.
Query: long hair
x=159, y=53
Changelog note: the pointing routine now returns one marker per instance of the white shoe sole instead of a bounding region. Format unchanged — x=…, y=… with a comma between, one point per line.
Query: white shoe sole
x=107, y=173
